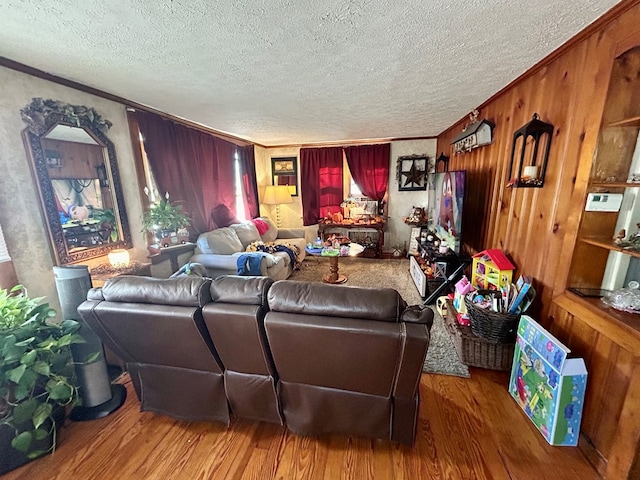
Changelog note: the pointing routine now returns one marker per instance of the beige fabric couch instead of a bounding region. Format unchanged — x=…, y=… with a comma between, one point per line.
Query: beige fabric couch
x=218, y=250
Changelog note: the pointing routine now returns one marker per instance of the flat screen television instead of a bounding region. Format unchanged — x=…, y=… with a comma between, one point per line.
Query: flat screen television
x=446, y=192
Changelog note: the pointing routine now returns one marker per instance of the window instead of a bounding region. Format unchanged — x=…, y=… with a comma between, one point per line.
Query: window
x=240, y=213
x=4, y=252
x=149, y=179
x=350, y=188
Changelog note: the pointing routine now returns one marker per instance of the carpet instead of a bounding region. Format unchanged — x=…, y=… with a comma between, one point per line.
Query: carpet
x=367, y=272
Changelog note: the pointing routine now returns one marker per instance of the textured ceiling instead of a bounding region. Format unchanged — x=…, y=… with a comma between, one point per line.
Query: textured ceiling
x=281, y=72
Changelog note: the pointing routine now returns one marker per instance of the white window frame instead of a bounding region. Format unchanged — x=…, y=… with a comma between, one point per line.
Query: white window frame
x=4, y=251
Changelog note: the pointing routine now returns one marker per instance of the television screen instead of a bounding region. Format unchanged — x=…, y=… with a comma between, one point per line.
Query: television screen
x=445, y=203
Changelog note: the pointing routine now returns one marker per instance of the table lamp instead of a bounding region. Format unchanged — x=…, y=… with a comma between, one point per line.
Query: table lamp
x=277, y=195
x=119, y=258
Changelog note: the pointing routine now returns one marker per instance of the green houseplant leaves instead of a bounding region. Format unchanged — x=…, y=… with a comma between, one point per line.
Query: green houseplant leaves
x=164, y=215
x=36, y=368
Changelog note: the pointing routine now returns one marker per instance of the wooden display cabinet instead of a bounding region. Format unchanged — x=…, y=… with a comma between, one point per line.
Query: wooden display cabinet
x=598, y=261
x=609, y=339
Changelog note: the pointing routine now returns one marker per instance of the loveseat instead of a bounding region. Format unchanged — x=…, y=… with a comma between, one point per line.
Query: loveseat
x=221, y=249
x=316, y=358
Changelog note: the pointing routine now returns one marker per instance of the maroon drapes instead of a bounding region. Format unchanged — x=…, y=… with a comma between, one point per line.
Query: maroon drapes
x=321, y=182
x=369, y=167
x=247, y=161
x=196, y=168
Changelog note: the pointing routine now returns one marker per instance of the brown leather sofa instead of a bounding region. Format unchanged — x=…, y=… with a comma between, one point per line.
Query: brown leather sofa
x=235, y=321
x=156, y=327
x=318, y=358
x=349, y=359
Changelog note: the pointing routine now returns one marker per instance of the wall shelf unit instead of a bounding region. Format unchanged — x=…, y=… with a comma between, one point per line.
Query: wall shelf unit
x=609, y=339
x=599, y=262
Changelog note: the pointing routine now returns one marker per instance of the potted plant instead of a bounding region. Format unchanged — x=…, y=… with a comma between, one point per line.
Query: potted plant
x=164, y=218
x=37, y=377
x=107, y=220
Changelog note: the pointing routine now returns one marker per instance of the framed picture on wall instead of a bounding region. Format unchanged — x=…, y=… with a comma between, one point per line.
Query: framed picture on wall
x=412, y=172
x=284, y=171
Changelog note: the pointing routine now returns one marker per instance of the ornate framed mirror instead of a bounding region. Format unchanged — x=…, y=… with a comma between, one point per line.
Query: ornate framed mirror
x=76, y=170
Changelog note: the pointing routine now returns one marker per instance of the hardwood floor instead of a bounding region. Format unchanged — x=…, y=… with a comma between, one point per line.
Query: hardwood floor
x=468, y=429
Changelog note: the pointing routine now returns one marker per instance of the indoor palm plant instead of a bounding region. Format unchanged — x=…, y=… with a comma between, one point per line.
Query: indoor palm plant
x=37, y=377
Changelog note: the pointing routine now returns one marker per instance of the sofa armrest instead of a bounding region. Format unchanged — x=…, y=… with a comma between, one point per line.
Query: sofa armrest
x=229, y=263
x=418, y=314
x=290, y=233
x=406, y=389
x=216, y=261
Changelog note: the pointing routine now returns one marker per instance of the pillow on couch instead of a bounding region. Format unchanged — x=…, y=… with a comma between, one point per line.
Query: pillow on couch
x=271, y=234
x=223, y=241
x=222, y=216
x=247, y=233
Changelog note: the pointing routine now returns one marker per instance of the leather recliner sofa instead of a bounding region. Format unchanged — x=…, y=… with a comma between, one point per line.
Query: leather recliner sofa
x=317, y=358
x=156, y=327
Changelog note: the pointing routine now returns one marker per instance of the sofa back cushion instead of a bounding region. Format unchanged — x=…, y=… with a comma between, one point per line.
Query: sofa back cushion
x=223, y=241
x=247, y=233
x=306, y=298
x=179, y=291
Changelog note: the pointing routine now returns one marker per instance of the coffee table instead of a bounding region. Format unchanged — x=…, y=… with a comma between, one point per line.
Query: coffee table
x=333, y=277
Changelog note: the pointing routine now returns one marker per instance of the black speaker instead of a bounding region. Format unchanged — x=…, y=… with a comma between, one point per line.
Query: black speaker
x=99, y=396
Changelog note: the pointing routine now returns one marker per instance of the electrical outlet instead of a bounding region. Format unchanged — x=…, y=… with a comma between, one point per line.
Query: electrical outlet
x=603, y=202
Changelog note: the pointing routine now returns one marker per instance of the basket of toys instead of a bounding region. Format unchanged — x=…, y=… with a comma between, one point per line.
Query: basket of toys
x=476, y=351
x=488, y=320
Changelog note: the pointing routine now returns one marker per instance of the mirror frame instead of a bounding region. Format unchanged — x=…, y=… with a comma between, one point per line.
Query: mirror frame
x=41, y=116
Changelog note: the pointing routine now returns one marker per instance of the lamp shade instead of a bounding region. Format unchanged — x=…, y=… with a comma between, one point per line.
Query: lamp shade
x=119, y=258
x=277, y=195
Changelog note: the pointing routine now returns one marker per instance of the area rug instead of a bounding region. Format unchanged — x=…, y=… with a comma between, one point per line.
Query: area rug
x=367, y=272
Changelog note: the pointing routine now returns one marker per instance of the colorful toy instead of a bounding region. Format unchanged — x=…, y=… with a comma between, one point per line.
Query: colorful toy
x=548, y=386
x=461, y=289
x=492, y=270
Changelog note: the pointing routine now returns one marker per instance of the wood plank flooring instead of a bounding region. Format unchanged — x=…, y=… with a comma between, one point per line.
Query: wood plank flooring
x=468, y=429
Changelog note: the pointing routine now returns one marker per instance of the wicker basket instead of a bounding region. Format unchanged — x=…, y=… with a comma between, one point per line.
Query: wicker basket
x=493, y=326
x=476, y=351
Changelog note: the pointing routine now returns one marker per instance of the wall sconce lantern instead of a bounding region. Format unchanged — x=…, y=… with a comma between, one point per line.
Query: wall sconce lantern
x=442, y=158
x=473, y=135
x=529, y=163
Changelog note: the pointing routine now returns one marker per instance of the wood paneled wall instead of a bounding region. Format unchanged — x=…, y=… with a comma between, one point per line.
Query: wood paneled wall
x=79, y=160
x=536, y=226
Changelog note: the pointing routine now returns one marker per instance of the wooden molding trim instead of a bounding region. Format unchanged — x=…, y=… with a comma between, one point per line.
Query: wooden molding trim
x=347, y=143
x=26, y=69
x=589, y=30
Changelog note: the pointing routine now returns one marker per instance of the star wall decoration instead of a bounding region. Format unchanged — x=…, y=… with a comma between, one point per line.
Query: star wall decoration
x=412, y=173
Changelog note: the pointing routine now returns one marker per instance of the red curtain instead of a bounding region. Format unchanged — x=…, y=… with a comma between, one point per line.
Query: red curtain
x=369, y=166
x=247, y=161
x=321, y=182
x=196, y=168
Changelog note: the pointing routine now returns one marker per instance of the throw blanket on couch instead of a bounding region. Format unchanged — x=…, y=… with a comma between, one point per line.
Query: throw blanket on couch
x=249, y=263
x=271, y=247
